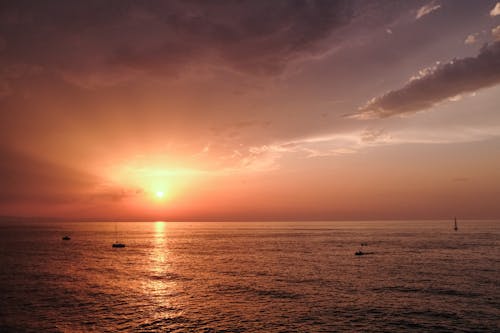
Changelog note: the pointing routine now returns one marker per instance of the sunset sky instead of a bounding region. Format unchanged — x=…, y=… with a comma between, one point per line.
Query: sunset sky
x=250, y=109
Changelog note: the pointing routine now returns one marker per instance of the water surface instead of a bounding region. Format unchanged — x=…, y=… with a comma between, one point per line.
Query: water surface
x=250, y=277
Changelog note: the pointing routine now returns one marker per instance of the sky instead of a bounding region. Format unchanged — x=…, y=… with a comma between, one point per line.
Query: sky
x=250, y=110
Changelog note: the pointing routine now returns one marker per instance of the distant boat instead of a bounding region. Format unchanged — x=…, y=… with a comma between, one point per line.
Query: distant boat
x=66, y=238
x=456, y=226
x=361, y=253
x=117, y=244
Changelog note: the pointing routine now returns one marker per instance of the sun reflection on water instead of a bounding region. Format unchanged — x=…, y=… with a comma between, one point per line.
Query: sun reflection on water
x=159, y=265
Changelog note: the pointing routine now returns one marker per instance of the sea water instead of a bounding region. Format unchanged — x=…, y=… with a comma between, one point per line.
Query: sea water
x=250, y=277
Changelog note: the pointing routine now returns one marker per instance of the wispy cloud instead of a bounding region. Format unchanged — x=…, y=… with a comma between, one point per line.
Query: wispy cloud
x=427, y=9
x=437, y=84
x=495, y=32
x=267, y=157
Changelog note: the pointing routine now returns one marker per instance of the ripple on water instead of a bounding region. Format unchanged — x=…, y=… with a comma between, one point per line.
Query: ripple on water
x=224, y=279
x=258, y=292
x=169, y=276
x=431, y=291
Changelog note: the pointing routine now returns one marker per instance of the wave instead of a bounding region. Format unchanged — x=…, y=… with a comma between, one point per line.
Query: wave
x=259, y=292
x=431, y=291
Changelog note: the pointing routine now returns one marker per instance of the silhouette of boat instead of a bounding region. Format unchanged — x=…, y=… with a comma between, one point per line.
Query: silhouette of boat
x=66, y=238
x=116, y=243
x=361, y=253
x=456, y=226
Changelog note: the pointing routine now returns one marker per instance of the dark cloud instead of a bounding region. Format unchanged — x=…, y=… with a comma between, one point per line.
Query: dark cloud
x=114, y=194
x=106, y=42
x=437, y=84
x=26, y=178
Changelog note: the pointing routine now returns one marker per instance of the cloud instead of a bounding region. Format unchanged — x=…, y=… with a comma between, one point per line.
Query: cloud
x=495, y=32
x=24, y=177
x=372, y=136
x=427, y=9
x=333, y=144
x=337, y=144
x=97, y=44
x=434, y=85
x=471, y=39
x=113, y=194
x=27, y=178
x=455, y=98
x=496, y=10
x=267, y=157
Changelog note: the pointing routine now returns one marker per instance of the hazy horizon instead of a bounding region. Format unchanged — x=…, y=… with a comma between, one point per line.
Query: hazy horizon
x=44, y=219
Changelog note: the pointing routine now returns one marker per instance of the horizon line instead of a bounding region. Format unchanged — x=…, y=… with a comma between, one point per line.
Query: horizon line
x=234, y=219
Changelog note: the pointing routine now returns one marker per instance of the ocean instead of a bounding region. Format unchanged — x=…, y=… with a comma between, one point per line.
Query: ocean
x=419, y=276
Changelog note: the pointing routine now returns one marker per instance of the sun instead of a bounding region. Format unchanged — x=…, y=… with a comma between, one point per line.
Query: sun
x=159, y=195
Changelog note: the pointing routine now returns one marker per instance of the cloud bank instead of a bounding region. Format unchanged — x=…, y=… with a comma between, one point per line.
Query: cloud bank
x=103, y=43
x=25, y=178
x=437, y=84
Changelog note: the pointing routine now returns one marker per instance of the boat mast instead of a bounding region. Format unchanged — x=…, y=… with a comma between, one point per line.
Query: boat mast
x=456, y=227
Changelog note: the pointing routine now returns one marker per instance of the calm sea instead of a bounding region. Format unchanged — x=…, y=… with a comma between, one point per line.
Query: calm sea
x=250, y=277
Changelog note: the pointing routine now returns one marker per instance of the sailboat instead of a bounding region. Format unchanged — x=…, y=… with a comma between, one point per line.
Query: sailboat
x=116, y=243
x=456, y=226
x=362, y=253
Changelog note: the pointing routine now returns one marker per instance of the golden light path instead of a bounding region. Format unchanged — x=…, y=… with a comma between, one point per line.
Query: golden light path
x=159, y=265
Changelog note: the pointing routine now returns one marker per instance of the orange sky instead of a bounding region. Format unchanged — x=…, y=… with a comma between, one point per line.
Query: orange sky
x=250, y=110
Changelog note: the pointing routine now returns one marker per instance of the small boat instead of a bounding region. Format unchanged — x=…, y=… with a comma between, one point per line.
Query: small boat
x=359, y=253
x=117, y=244
x=66, y=238
x=364, y=244
x=456, y=226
